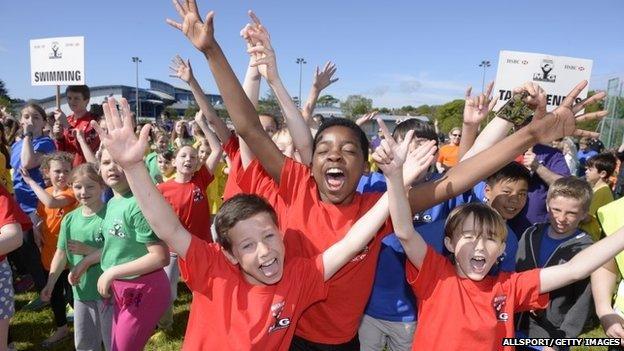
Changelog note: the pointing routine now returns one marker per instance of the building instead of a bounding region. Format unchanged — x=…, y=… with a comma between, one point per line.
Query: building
x=153, y=101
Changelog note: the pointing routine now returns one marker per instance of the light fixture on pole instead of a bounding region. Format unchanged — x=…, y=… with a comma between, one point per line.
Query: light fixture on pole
x=300, y=61
x=137, y=60
x=485, y=64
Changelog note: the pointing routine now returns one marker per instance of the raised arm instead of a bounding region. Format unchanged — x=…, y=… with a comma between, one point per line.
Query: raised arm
x=476, y=110
x=544, y=128
x=28, y=157
x=322, y=79
x=215, y=147
x=84, y=146
x=582, y=264
x=264, y=59
x=242, y=112
x=128, y=151
x=603, y=282
x=184, y=71
x=46, y=198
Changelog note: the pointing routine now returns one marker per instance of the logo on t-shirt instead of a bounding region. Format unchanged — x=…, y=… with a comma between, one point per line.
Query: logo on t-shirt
x=280, y=323
x=117, y=229
x=197, y=195
x=499, y=305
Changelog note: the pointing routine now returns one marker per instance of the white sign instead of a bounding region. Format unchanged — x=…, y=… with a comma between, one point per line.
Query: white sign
x=557, y=75
x=57, y=61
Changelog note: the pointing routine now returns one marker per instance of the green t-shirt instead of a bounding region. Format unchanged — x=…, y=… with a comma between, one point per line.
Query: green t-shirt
x=151, y=161
x=87, y=230
x=125, y=232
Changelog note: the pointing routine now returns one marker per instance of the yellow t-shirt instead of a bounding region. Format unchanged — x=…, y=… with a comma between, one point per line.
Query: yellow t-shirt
x=216, y=188
x=611, y=219
x=602, y=196
x=5, y=175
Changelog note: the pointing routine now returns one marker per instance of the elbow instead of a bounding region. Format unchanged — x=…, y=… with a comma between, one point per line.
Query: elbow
x=16, y=241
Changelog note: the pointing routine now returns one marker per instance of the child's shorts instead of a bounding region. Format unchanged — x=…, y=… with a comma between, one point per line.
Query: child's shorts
x=7, y=298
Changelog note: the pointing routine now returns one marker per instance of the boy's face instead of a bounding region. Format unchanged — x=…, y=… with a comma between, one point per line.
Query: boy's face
x=30, y=118
x=508, y=197
x=164, y=166
x=475, y=252
x=592, y=175
x=258, y=248
x=162, y=143
x=337, y=164
x=77, y=103
x=186, y=160
x=112, y=173
x=58, y=173
x=87, y=190
x=203, y=152
x=565, y=214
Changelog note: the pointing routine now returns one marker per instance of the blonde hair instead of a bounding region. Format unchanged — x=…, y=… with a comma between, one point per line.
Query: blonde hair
x=486, y=221
x=59, y=156
x=86, y=170
x=572, y=188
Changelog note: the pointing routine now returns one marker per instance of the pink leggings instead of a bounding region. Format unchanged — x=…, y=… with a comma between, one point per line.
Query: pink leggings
x=139, y=304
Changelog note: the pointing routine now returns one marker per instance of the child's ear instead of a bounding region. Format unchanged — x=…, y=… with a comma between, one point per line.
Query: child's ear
x=233, y=260
x=488, y=193
x=502, y=249
x=448, y=243
x=603, y=175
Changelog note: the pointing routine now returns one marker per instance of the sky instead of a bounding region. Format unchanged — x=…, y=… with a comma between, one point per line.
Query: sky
x=394, y=52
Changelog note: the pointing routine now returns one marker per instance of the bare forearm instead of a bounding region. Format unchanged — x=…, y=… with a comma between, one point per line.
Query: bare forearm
x=28, y=156
x=494, y=132
x=215, y=146
x=59, y=261
x=46, y=198
x=546, y=174
x=92, y=258
x=86, y=151
x=399, y=206
x=470, y=171
x=308, y=108
x=10, y=238
x=251, y=85
x=299, y=130
x=603, y=282
x=469, y=134
x=209, y=112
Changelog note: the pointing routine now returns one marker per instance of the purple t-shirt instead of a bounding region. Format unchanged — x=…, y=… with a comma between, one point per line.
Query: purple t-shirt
x=535, y=209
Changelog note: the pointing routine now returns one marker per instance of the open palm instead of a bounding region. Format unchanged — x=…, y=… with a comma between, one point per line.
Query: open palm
x=120, y=140
x=181, y=69
x=200, y=34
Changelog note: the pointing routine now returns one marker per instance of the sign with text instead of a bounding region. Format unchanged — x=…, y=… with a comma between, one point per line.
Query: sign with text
x=57, y=61
x=557, y=75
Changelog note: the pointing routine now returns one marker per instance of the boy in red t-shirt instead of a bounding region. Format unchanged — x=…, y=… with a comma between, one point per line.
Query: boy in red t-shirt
x=64, y=127
x=477, y=310
x=320, y=202
x=257, y=304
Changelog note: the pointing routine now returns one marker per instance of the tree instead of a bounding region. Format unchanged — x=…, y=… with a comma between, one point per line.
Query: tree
x=356, y=105
x=269, y=105
x=3, y=90
x=384, y=110
x=190, y=111
x=327, y=101
x=450, y=115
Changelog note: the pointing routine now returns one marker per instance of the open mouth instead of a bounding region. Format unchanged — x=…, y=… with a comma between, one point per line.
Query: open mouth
x=270, y=268
x=335, y=178
x=477, y=264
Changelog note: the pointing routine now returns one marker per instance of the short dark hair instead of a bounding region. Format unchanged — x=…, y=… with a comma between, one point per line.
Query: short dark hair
x=347, y=123
x=512, y=171
x=82, y=89
x=421, y=130
x=603, y=162
x=239, y=208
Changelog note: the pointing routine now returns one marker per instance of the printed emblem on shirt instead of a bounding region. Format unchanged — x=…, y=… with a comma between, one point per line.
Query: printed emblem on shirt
x=422, y=217
x=279, y=323
x=197, y=195
x=97, y=236
x=361, y=255
x=499, y=306
x=117, y=229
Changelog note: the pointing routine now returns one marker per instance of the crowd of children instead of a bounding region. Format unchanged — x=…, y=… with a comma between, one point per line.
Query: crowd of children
x=285, y=237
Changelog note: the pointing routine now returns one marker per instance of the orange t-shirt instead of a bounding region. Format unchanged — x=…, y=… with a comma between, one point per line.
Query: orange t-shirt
x=311, y=226
x=449, y=155
x=51, y=225
x=462, y=314
x=228, y=313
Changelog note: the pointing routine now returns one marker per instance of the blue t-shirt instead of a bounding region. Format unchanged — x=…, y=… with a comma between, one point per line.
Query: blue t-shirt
x=23, y=193
x=548, y=246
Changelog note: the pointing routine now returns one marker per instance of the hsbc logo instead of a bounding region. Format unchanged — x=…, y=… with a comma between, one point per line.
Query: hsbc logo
x=574, y=68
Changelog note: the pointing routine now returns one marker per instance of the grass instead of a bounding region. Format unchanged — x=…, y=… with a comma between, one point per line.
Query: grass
x=29, y=329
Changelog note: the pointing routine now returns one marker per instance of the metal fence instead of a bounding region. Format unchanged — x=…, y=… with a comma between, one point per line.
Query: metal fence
x=612, y=126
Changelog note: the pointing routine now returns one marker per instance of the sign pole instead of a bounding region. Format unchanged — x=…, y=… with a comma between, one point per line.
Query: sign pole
x=58, y=97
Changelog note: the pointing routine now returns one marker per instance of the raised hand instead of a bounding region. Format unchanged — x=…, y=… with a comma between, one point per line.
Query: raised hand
x=477, y=108
x=391, y=155
x=25, y=175
x=562, y=121
x=263, y=57
x=181, y=69
x=200, y=34
x=120, y=140
x=366, y=118
x=323, y=79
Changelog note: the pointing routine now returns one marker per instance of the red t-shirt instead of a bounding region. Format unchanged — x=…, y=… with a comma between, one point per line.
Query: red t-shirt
x=461, y=314
x=311, y=226
x=10, y=213
x=70, y=144
x=232, y=150
x=228, y=313
x=190, y=203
